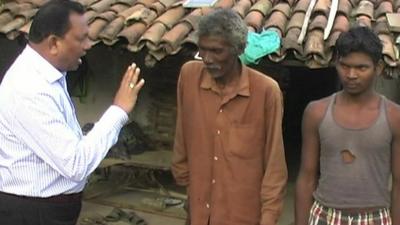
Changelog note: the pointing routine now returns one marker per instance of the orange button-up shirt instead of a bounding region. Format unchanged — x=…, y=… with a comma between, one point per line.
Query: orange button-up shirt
x=229, y=148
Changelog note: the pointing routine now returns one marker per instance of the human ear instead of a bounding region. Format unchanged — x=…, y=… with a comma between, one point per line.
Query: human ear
x=53, y=44
x=379, y=67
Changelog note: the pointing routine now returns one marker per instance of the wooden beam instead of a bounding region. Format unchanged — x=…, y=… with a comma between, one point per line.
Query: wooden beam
x=305, y=23
x=331, y=18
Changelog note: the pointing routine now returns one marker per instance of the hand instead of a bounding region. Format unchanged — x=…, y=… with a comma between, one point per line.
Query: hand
x=128, y=91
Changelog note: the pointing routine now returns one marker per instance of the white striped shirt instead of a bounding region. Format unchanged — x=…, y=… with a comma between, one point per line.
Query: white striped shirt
x=42, y=149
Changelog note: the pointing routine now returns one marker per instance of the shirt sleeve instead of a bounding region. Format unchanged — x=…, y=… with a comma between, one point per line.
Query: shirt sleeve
x=41, y=124
x=180, y=168
x=275, y=177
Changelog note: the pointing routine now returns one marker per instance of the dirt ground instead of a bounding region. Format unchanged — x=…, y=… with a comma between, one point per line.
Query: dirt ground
x=98, y=208
x=147, y=190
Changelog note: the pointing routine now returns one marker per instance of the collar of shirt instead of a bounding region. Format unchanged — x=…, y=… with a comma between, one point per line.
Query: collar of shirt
x=48, y=71
x=243, y=88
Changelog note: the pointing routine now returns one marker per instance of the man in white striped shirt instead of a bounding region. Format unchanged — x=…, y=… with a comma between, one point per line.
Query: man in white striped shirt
x=44, y=158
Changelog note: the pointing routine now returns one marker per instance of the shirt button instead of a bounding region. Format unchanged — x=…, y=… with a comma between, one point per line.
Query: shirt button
x=218, y=131
x=215, y=158
x=208, y=206
x=213, y=181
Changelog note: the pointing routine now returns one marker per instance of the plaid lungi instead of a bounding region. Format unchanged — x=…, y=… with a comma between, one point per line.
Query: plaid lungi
x=321, y=215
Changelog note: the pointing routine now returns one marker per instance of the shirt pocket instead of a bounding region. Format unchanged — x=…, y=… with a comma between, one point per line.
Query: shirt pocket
x=245, y=140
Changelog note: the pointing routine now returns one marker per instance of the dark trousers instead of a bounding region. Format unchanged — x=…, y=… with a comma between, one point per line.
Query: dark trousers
x=17, y=210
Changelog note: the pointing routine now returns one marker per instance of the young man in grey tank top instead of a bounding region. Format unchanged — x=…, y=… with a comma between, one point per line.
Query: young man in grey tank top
x=351, y=144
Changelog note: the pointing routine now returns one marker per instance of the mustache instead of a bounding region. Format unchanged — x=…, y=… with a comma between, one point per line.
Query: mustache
x=213, y=67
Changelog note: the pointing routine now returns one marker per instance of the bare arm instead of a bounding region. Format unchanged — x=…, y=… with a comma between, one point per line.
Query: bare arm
x=394, y=119
x=395, y=207
x=308, y=174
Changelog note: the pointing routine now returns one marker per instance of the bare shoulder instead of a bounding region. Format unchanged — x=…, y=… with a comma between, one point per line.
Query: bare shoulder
x=393, y=113
x=315, y=110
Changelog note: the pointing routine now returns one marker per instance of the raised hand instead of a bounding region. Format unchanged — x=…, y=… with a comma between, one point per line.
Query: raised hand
x=128, y=91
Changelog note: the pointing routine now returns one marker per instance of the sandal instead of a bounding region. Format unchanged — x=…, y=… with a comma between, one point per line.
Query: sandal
x=134, y=219
x=115, y=215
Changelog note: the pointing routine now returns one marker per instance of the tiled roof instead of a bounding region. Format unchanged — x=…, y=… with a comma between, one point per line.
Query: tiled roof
x=308, y=28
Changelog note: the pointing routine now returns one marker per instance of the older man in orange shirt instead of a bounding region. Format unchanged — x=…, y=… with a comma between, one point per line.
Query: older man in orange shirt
x=228, y=145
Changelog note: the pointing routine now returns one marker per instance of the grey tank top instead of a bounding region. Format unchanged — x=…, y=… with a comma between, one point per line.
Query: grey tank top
x=363, y=182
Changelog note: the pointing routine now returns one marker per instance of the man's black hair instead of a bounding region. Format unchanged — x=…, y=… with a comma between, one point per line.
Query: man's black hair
x=53, y=19
x=360, y=39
